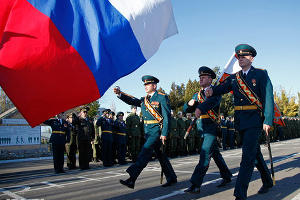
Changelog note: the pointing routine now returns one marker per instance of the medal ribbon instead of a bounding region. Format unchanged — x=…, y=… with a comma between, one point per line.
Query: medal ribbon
x=153, y=111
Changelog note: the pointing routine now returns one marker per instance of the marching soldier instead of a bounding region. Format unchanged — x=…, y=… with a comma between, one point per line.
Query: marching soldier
x=254, y=111
x=134, y=133
x=120, y=142
x=58, y=140
x=71, y=145
x=106, y=125
x=207, y=110
x=155, y=108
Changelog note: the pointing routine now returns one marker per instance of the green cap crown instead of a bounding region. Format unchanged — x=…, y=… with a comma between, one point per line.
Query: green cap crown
x=149, y=79
x=245, y=50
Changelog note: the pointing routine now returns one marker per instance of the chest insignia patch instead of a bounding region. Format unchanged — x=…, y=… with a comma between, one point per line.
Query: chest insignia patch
x=254, y=82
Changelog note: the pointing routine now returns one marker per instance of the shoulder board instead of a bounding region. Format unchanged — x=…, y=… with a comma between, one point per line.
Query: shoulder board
x=260, y=69
x=161, y=93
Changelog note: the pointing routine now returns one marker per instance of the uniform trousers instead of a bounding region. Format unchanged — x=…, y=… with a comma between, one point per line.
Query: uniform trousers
x=209, y=149
x=153, y=143
x=58, y=156
x=251, y=156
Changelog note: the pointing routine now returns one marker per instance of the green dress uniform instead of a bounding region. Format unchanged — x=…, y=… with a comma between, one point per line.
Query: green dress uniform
x=96, y=144
x=71, y=147
x=134, y=133
x=198, y=139
x=172, y=141
x=152, y=135
x=58, y=140
x=153, y=131
x=249, y=121
x=191, y=137
x=207, y=129
x=181, y=144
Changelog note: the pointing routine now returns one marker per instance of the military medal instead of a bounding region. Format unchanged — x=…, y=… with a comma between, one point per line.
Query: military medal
x=254, y=82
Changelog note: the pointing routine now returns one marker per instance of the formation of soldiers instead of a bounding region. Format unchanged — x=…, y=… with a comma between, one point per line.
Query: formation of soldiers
x=110, y=139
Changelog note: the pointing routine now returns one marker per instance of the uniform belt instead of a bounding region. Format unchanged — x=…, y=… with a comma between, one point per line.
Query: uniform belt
x=59, y=132
x=247, y=107
x=204, y=116
x=124, y=134
x=150, y=122
x=106, y=131
x=223, y=127
x=231, y=129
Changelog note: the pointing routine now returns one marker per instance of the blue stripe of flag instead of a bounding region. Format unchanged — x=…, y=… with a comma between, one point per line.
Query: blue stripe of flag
x=99, y=33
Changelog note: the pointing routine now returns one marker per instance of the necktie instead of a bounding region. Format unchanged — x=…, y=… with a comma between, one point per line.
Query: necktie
x=244, y=76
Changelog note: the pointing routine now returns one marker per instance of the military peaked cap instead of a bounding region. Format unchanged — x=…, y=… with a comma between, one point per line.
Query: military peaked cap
x=147, y=79
x=120, y=113
x=205, y=71
x=245, y=50
x=85, y=109
x=105, y=111
x=133, y=107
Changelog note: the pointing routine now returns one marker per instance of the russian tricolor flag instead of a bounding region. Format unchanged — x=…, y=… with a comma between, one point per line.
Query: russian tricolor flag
x=59, y=54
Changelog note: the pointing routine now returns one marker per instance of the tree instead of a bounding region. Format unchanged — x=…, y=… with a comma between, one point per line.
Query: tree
x=94, y=109
x=191, y=88
x=287, y=104
x=5, y=102
x=176, y=97
x=226, y=105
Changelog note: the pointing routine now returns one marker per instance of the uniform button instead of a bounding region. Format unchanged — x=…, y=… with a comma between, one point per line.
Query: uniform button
x=241, y=99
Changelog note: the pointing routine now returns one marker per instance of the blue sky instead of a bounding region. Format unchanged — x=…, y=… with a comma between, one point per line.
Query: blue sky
x=208, y=33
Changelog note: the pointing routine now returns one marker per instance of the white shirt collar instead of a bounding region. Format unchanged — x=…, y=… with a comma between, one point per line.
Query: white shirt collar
x=151, y=94
x=246, y=72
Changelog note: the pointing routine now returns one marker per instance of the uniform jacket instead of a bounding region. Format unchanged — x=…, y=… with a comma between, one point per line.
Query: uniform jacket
x=120, y=130
x=58, y=125
x=173, y=129
x=160, y=102
x=205, y=125
x=260, y=83
x=84, y=128
x=133, y=124
x=181, y=127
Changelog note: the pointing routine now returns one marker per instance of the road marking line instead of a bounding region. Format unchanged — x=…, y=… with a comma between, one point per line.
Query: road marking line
x=11, y=194
x=174, y=193
x=52, y=184
x=297, y=197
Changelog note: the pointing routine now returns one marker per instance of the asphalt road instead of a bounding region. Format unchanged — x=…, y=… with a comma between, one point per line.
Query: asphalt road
x=36, y=180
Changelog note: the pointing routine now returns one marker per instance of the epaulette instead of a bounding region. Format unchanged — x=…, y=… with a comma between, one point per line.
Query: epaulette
x=127, y=94
x=161, y=93
x=260, y=69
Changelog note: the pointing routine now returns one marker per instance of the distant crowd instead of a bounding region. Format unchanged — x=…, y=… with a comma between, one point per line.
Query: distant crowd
x=115, y=140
